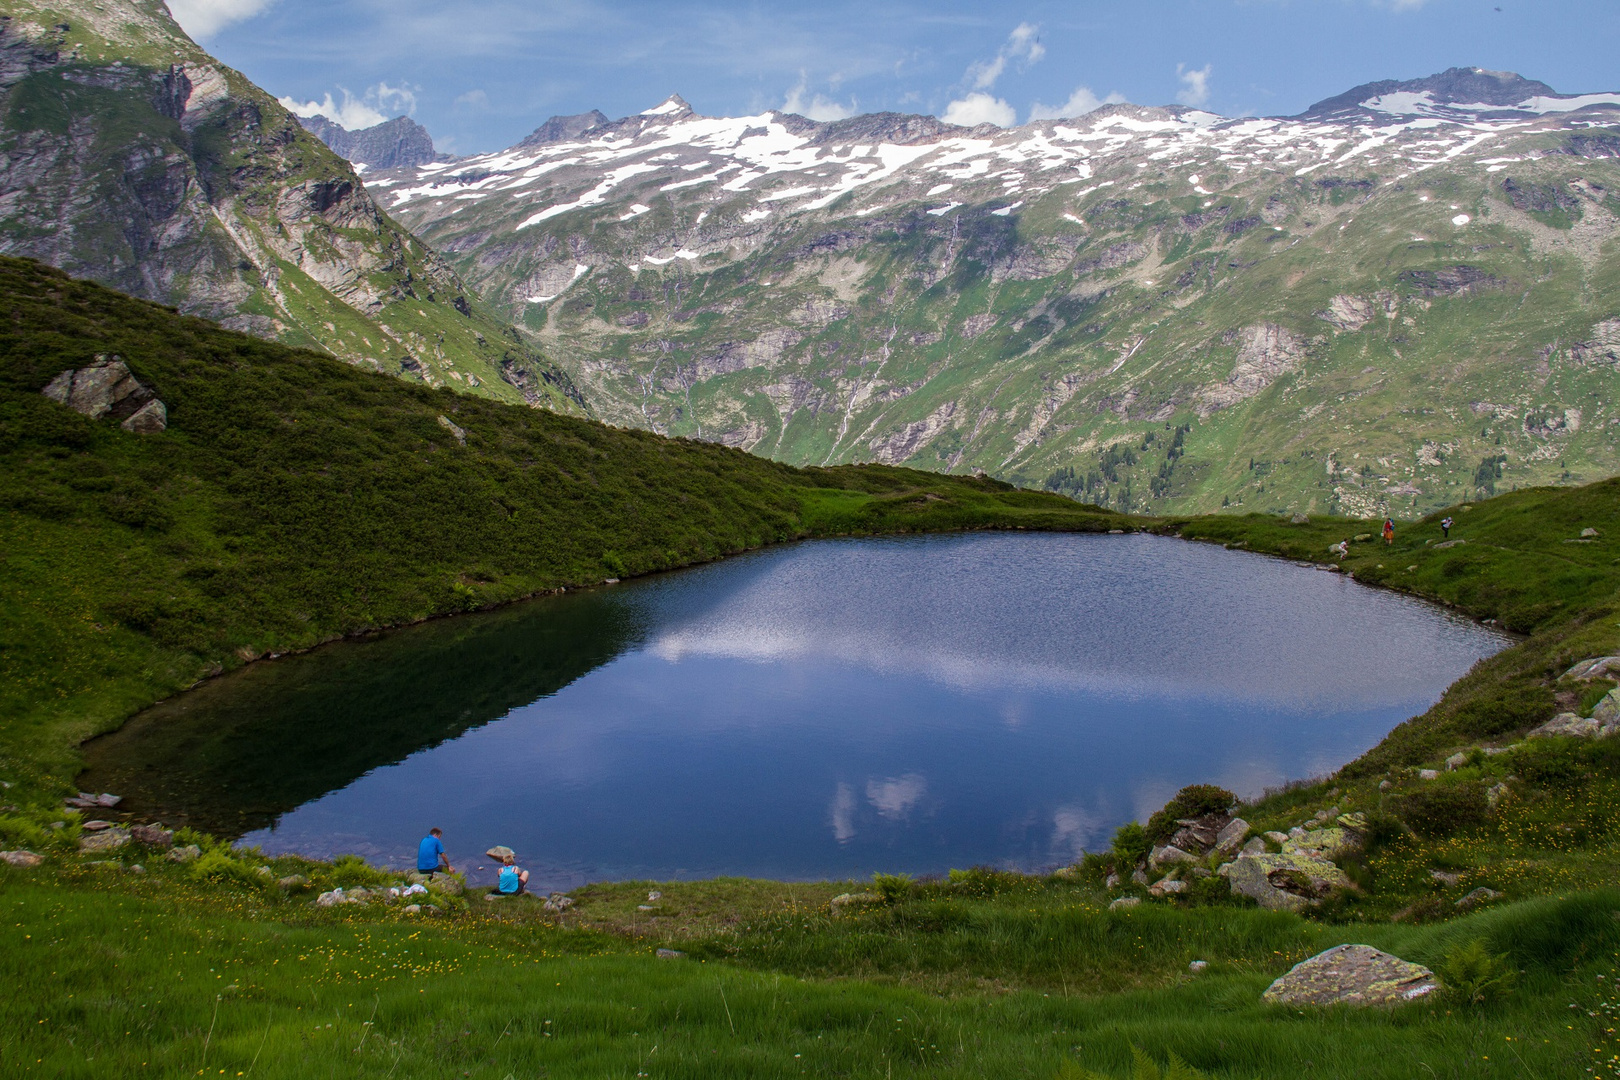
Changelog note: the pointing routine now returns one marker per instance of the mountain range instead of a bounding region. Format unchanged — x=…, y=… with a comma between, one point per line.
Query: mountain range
x=130, y=156
x=1403, y=297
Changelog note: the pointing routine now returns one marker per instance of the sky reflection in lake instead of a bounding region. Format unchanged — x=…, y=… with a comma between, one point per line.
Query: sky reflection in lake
x=831, y=709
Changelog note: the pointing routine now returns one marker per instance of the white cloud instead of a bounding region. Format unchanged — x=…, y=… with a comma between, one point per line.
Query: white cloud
x=473, y=99
x=380, y=103
x=1194, y=85
x=817, y=107
x=978, y=109
x=205, y=18
x=1022, y=44
x=1080, y=102
x=895, y=797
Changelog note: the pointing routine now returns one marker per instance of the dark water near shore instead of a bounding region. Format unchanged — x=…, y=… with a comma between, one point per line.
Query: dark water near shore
x=818, y=711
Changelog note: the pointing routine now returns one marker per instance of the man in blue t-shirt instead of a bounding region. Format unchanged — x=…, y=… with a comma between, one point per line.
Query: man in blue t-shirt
x=430, y=856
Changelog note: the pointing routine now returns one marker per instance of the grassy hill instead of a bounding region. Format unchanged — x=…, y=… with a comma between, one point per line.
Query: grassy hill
x=132, y=157
x=294, y=499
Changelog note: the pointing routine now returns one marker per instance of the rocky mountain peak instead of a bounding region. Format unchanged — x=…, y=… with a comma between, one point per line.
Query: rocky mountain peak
x=563, y=128
x=673, y=107
x=393, y=144
x=1459, y=93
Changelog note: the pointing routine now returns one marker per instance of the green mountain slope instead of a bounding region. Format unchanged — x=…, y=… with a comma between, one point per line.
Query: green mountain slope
x=1154, y=309
x=130, y=156
x=294, y=499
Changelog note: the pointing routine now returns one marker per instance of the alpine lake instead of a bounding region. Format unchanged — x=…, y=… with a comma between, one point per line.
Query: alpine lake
x=815, y=711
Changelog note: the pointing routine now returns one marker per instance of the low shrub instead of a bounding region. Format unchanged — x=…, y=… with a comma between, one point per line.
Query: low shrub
x=1131, y=846
x=892, y=887
x=1472, y=975
x=1442, y=810
x=219, y=867
x=1194, y=800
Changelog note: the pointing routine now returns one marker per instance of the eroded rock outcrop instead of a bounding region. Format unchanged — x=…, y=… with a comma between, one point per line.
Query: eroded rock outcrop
x=106, y=387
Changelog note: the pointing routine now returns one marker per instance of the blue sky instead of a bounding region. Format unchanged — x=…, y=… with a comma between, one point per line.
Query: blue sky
x=481, y=74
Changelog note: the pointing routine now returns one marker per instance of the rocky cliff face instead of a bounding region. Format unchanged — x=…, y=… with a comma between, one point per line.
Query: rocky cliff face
x=1387, y=309
x=394, y=144
x=129, y=156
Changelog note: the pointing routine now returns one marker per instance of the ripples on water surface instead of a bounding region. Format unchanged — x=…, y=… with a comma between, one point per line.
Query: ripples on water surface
x=818, y=711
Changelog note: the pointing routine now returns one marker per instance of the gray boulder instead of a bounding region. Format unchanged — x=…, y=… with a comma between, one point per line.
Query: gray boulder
x=669, y=954
x=1323, y=843
x=1598, y=667
x=1230, y=838
x=105, y=387
x=1607, y=711
x=1167, y=887
x=1125, y=903
x=1352, y=975
x=106, y=840
x=845, y=901
x=184, y=854
x=561, y=902
x=1602, y=724
x=1284, y=882
x=1479, y=896
x=152, y=836
x=1169, y=853
x=27, y=860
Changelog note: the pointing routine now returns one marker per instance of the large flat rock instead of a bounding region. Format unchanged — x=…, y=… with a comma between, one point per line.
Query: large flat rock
x=1352, y=975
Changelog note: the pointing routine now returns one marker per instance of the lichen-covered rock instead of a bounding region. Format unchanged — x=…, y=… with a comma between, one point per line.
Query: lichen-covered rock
x=1230, y=838
x=1168, y=854
x=1598, y=667
x=1324, y=843
x=1284, y=882
x=559, y=902
x=1167, y=887
x=1600, y=725
x=104, y=387
x=24, y=859
x=844, y=901
x=184, y=854
x=1479, y=896
x=1352, y=975
x=152, y=836
x=1125, y=903
x=106, y=840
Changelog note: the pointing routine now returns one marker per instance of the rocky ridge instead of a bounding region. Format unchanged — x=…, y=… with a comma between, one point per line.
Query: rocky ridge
x=130, y=156
x=1054, y=303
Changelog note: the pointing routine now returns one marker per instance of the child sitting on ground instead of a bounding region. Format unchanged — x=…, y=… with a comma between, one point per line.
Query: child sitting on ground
x=512, y=881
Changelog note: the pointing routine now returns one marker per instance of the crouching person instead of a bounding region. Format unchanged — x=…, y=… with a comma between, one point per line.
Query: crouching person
x=512, y=881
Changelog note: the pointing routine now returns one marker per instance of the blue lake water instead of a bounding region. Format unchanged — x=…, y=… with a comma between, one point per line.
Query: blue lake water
x=823, y=710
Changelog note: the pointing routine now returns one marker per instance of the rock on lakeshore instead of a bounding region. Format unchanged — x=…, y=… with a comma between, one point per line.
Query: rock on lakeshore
x=106, y=840
x=1352, y=975
x=1602, y=724
x=1289, y=881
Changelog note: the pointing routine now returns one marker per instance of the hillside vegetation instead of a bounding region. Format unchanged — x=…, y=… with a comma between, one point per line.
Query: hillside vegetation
x=130, y=156
x=294, y=499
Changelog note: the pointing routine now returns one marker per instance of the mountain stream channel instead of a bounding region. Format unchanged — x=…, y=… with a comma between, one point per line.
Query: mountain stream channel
x=820, y=710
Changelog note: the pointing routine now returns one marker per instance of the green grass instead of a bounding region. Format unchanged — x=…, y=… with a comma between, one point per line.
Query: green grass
x=295, y=500
x=133, y=976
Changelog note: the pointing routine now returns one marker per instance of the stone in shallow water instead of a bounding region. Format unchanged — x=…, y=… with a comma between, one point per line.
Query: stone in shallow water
x=1352, y=975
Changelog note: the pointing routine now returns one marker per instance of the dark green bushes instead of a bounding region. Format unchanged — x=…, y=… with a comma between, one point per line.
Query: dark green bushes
x=1194, y=800
x=1442, y=810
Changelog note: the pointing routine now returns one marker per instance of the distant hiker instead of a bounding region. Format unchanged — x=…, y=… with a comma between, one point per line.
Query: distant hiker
x=1389, y=531
x=1445, y=527
x=512, y=881
x=430, y=856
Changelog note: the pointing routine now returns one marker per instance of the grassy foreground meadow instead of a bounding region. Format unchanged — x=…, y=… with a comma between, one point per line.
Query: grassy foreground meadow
x=294, y=500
